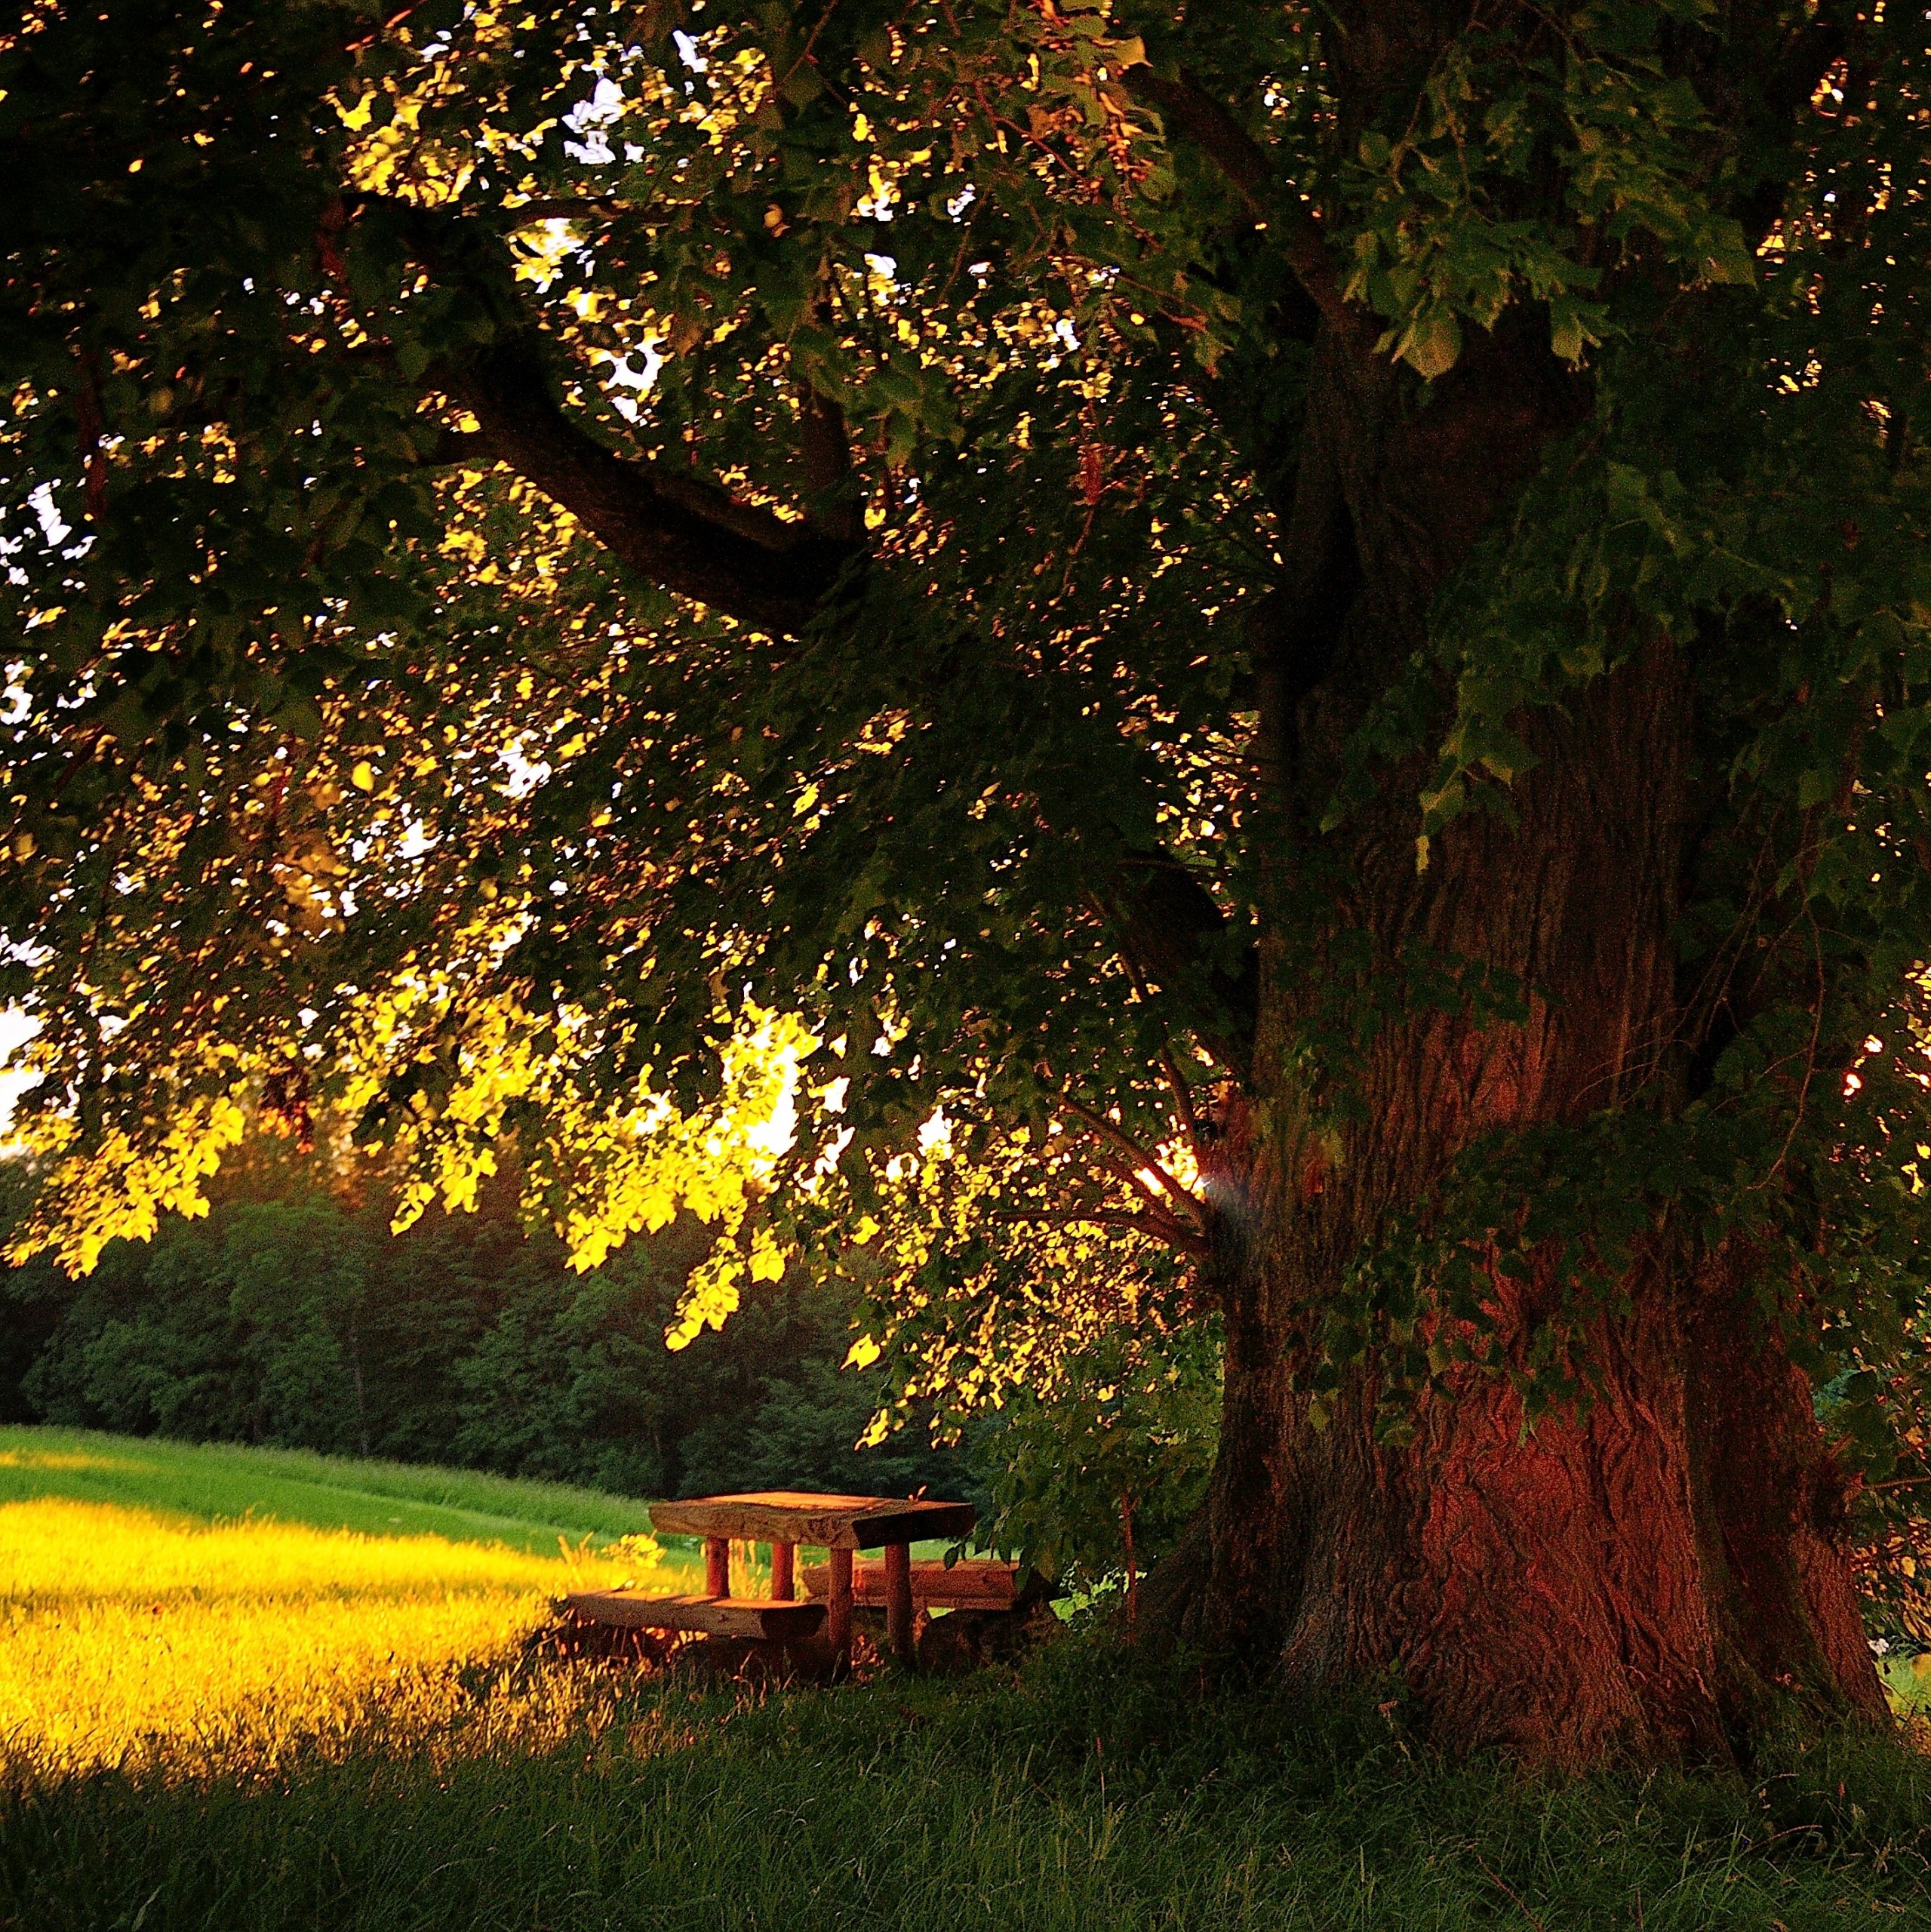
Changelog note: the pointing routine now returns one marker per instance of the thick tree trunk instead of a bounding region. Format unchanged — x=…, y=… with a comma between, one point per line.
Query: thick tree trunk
x=1653, y=1580
x=1643, y=1578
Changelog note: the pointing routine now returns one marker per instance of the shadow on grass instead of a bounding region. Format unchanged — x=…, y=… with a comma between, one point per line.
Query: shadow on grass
x=1085, y=1791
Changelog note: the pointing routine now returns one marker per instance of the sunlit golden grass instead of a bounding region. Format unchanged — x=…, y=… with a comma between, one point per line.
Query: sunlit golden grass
x=139, y=1641
x=51, y=1459
x=218, y=1481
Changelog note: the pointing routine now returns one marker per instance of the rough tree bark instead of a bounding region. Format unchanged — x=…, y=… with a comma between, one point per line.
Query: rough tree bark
x=1645, y=1579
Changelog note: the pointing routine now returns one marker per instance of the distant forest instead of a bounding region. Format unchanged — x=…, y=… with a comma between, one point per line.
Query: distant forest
x=291, y=1316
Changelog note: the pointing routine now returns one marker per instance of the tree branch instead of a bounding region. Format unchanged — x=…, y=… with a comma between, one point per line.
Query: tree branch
x=685, y=534
x=831, y=484
x=1182, y=1093
x=1168, y=927
x=563, y=208
x=1294, y=633
x=1158, y=1227
x=679, y=532
x=1124, y=1157
x=1189, y=111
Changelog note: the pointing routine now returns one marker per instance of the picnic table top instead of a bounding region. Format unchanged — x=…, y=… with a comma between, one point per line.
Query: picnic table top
x=830, y=1522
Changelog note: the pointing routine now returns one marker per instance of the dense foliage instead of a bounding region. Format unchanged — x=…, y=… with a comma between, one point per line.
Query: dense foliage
x=344, y=760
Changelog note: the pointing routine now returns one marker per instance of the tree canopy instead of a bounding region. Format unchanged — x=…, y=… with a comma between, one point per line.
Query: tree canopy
x=1041, y=594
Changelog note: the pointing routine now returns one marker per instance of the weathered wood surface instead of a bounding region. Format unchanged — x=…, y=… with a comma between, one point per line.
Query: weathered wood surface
x=714, y=1616
x=978, y=1584
x=784, y=1557
x=717, y=1566
x=838, y=1603
x=830, y=1522
x=898, y=1602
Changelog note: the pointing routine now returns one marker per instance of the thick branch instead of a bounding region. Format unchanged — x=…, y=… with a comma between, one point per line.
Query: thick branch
x=562, y=207
x=683, y=533
x=1294, y=634
x=1161, y=1228
x=1189, y=111
x=1171, y=930
x=831, y=484
x=1123, y=1156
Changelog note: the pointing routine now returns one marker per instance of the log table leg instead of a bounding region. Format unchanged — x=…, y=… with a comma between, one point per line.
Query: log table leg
x=783, y=1588
x=838, y=1607
x=716, y=1565
x=898, y=1601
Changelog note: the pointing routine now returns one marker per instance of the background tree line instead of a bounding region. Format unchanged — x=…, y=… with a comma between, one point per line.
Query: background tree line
x=291, y=1316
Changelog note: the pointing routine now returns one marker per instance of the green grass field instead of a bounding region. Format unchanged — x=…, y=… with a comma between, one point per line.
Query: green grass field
x=1077, y=1794
x=1082, y=1790
x=220, y=1482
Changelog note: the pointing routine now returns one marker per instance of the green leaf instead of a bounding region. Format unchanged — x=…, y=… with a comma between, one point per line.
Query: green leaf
x=1432, y=347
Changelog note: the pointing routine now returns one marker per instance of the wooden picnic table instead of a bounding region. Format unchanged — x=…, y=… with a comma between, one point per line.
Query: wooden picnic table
x=838, y=1525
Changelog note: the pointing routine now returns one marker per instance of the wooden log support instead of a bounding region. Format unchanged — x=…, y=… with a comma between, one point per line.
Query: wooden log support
x=716, y=1565
x=784, y=1585
x=761, y=1617
x=898, y=1602
x=837, y=1607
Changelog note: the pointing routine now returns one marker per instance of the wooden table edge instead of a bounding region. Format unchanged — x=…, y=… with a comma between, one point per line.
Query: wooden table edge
x=821, y=1529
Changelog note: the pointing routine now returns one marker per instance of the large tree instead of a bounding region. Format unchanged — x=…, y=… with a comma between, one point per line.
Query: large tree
x=1299, y=636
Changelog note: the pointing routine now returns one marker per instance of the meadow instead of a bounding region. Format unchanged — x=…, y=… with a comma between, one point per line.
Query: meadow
x=224, y=1719
x=217, y=1481
x=191, y=1609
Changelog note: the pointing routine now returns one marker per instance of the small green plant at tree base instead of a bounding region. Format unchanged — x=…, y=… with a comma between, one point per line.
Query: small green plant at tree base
x=1093, y=1483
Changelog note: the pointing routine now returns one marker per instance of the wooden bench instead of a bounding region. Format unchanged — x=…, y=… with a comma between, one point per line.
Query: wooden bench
x=972, y=1584
x=784, y=1519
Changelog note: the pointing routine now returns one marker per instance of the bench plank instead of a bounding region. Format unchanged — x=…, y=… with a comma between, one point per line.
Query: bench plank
x=981, y=1585
x=829, y=1522
x=714, y=1616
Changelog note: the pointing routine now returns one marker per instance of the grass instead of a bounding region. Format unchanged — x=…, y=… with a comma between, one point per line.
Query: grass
x=194, y=1611
x=463, y=1782
x=129, y=1639
x=1075, y=1794
x=1908, y=1681
x=220, y=1481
